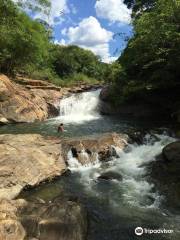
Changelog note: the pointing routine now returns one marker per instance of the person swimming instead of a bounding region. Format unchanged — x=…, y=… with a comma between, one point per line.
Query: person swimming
x=61, y=128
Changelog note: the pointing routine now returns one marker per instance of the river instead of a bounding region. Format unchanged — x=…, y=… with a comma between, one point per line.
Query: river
x=116, y=207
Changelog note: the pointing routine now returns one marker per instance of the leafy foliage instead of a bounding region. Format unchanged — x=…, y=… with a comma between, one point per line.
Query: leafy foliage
x=151, y=59
x=140, y=6
x=35, y=5
x=22, y=40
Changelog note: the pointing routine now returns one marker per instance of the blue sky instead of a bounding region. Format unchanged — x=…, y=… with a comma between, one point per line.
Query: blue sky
x=91, y=24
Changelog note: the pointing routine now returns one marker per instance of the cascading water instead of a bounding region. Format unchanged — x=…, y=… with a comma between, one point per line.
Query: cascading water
x=119, y=206
x=80, y=107
x=134, y=189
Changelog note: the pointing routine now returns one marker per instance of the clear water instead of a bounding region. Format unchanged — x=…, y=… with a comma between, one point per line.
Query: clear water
x=115, y=207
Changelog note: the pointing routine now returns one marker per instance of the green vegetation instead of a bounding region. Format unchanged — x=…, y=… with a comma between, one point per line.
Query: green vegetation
x=26, y=47
x=22, y=41
x=151, y=59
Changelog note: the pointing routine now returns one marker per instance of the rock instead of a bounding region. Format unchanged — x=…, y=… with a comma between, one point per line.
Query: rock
x=60, y=219
x=27, y=160
x=165, y=173
x=19, y=105
x=87, y=148
x=143, y=103
x=10, y=227
x=104, y=94
x=3, y=120
x=172, y=153
x=110, y=175
x=52, y=99
x=137, y=136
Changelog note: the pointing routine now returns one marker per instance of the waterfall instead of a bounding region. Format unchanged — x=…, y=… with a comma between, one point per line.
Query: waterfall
x=80, y=107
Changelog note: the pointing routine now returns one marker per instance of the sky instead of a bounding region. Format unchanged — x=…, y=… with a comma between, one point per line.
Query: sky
x=91, y=24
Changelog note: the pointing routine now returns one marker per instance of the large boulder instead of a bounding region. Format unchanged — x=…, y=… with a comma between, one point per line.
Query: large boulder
x=60, y=219
x=27, y=160
x=165, y=173
x=172, y=153
x=86, y=149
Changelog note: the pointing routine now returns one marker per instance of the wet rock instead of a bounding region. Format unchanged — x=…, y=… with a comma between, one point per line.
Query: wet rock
x=52, y=110
x=87, y=148
x=110, y=175
x=150, y=139
x=172, y=153
x=27, y=160
x=62, y=219
x=136, y=136
x=163, y=131
x=83, y=158
x=142, y=137
x=165, y=173
x=104, y=94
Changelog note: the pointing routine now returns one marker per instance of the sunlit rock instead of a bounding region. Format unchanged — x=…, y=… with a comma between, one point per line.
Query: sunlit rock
x=27, y=160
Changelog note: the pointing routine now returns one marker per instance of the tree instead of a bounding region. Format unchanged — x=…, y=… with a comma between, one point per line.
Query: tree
x=140, y=6
x=35, y=5
x=69, y=60
x=151, y=59
x=22, y=41
x=152, y=54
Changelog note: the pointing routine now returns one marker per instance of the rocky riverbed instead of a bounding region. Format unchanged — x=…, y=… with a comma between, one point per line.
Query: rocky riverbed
x=26, y=160
x=97, y=186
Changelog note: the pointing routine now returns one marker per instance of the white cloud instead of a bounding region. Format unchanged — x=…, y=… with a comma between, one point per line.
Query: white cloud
x=61, y=42
x=58, y=10
x=90, y=35
x=113, y=10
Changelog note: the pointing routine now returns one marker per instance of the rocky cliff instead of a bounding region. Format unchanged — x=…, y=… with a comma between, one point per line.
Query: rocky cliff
x=160, y=103
x=19, y=104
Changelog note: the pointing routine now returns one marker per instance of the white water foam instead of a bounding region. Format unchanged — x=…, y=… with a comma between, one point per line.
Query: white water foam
x=74, y=165
x=80, y=107
x=134, y=188
x=132, y=166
